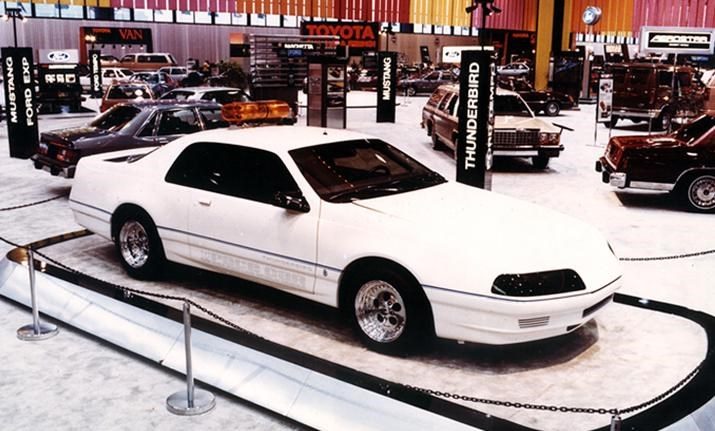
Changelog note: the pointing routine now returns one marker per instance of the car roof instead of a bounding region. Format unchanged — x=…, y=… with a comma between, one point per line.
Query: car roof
x=171, y=103
x=205, y=88
x=278, y=139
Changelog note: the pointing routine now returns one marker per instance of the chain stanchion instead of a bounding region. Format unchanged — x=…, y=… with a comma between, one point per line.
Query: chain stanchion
x=616, y=422
x=192, y=401
x=37, y=330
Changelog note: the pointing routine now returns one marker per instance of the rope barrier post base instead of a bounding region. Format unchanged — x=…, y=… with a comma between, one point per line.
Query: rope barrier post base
x=193, y=401
x=36, y=331
x=615, y=423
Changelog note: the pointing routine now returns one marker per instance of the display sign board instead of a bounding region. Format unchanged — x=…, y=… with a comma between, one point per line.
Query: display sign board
x=604, y=108
x=386, y=86
x=60, y=56
x=95, y=73
x=678, y=40
x=453, y=54
x=240, y=50
x=21, y=115
x=123, y=36
x=51, y=74
x=369, y=60
x=476, y=117
x=357, y=36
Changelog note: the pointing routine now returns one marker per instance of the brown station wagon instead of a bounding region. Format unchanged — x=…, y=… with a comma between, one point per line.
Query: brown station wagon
x=682, y=162
x=517, y=133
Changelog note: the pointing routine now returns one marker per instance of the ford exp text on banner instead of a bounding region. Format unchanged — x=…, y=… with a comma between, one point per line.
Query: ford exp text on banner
x=17, y=66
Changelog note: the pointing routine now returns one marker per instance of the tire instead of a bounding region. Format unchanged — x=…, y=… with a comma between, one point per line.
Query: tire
x=389, y=312
x=436, y=143
x=612, y=123
x=138, y=245
x=664, y=121
x=699, y=192
x=540, y=162
x=552, y=109
x=411, y=91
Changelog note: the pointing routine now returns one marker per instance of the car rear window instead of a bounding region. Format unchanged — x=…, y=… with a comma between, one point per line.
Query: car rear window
x=115, y=118
x=127, y=92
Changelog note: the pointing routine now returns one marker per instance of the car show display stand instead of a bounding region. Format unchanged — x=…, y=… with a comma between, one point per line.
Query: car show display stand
x=305, y=388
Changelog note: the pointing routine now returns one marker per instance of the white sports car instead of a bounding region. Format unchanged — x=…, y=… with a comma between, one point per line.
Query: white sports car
x=347, y=220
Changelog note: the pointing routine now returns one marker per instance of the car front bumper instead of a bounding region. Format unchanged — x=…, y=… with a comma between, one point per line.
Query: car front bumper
x=498, y=321
x=622, y=180
x=527, y=150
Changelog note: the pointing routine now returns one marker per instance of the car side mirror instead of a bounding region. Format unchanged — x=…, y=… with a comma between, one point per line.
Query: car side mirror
x=291, y=201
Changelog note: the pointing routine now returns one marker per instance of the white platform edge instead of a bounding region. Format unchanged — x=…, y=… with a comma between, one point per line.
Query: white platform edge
x=308, y=397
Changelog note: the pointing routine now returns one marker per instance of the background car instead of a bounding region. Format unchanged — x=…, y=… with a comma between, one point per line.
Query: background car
x=121, y=92
x=176, y=73
x=220, y=95
x=514, y=69
x=517, y=133
x=428, y=82
x=125, y=126
x=147, y=61
x=159, y=82
x=109, y=74
x=682, y=162
x=549, y=102
x=338, y=217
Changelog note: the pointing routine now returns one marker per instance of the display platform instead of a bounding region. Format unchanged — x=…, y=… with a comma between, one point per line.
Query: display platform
x=292, y=382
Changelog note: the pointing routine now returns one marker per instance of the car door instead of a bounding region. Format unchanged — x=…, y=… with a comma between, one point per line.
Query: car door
x=234, y=226
x=174, y=123
x=441, y=118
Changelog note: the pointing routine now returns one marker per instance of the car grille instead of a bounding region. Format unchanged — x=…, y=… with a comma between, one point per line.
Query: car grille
x=513, y=138
x=533, y=322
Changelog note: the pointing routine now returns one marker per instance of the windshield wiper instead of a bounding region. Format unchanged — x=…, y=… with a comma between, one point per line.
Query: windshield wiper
x=396, y=185
x=359, y=190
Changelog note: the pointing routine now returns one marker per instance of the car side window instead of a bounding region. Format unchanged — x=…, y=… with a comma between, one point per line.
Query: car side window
x=178, y=122
x=212, y=118
x=148, y=129
x=242, y=172
x=443, y=103
x=453, y=106
x=436, y=97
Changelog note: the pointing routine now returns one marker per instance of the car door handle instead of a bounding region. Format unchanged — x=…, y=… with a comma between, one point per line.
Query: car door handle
x=205, y=202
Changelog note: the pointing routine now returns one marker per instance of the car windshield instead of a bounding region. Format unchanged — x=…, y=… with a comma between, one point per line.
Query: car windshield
x=510, y=105
x=116, y=118
x=360, y=169
x=127, y=92
x=696, y=129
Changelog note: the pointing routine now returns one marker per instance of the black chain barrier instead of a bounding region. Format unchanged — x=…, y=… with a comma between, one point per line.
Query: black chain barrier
x=16, y=207
x=615, y=412
x=672, y=257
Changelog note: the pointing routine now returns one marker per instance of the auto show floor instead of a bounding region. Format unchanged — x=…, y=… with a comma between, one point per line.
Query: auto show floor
x=624, y=357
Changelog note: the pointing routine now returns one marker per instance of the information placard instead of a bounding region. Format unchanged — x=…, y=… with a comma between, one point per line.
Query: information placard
x=604, y=107
x=95, y=73
x=386, y=86
x=476, y=118
x=17, y=67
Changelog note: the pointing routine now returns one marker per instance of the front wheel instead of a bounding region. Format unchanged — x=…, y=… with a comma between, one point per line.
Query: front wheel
x=700, y=193
x=388, y=312
x=552, y=109
x=138, y=245
x=540, y=162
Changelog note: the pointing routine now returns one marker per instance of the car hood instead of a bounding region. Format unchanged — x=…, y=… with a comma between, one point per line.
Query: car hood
x=463, y=227
x=77, y=136
x=512, y=122
x=644, y=142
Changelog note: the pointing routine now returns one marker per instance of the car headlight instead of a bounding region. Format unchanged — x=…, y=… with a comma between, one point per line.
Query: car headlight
x=546, y=138
x=538, y=283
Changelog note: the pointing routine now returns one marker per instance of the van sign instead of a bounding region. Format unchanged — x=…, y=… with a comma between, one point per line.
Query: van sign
x=476, y=117
x=678, y=40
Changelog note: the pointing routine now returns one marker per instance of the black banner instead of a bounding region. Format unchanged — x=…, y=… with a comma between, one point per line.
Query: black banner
x=95, y=73
x=678, y=40
x=21, y=115
x=386, y=86
x=424, y=54
x=476, y=118
x=123, y=36
x=241, y=50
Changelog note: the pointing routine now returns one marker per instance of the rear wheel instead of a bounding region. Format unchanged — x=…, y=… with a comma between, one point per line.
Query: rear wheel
x=552, y=109
x=389, y=313
x=540, y=162
x=138, y=245
x=699, y=193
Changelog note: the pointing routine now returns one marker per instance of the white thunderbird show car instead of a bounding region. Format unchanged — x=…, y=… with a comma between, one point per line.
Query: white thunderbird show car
x=347, y=220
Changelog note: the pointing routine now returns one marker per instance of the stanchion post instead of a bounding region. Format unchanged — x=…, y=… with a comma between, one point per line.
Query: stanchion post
x=615, y=423
x=37, y=330
x=192, y=401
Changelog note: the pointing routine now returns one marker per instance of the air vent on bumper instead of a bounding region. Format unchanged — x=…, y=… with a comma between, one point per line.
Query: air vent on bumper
x=533, y=322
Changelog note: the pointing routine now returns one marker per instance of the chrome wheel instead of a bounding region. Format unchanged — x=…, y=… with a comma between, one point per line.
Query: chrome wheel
x=701, y=193
x=552, y=109
x=134, y=244
x=380, y=311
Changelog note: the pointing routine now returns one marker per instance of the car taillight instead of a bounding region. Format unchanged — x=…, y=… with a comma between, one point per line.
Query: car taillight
x=549, y=138
x=67, y=155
